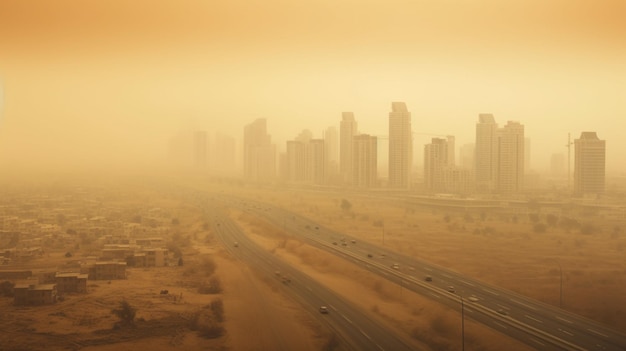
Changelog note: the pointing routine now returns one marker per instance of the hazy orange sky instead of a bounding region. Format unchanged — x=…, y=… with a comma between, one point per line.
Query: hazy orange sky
x=109, y=81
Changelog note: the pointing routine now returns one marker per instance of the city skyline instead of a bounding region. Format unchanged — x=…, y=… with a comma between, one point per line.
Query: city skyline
x=117, y=78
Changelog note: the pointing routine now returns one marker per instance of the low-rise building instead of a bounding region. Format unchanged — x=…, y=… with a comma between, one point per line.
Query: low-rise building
x=71, y=282
x=34, y=294
x=107, y=271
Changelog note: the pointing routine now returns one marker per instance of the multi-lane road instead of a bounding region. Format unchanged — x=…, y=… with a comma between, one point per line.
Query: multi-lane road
x=539, y=325
x=355, y=328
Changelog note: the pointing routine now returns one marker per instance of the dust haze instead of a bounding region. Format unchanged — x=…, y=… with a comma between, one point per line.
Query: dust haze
x=312, y=175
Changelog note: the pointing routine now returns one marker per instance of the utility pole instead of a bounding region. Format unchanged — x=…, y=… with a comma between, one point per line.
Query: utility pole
x=462, y=325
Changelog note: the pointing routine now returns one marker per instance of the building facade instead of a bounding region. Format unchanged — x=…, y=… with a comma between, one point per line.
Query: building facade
x=347, y=131
x=510, y=161
x=259, y=154
x=485, y=169
x=589, y=164
x=365, y=161
x=400, y=146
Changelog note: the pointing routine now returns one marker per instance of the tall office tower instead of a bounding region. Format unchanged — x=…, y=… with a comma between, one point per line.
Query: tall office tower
x=259, y=154
x=296, y=158
x=527, y=168
x=364, y=161
x=435, y=162
x=331, y=139
x=589, y=164
x=557, y=165
x=451, y=150
x=200, y=149
x=400, y=146
x=486, y=153
x=347, y=130
x=510, y=165
x=466, y=156
x=315, y=166
x=222, y=156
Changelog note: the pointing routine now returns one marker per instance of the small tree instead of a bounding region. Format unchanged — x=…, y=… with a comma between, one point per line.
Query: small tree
x=125, y=312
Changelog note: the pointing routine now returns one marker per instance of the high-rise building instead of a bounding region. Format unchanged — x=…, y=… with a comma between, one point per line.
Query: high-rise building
x=527, y=168
x=589, y=164
x=400, y=146
x=315, y=166
x=331, y=140
x=347, y=130
x=259, y=154
x=510, y=161
x=451, y=150
x=364, y=161
x=486, y=153
x=466, y=156
x=296, y=159
x=435, y=161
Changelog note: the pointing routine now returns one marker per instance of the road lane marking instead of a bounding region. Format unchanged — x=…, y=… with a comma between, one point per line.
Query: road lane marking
x=447, y=275
x=367, y=336
x=435, y=295
x=380, y=347
x=537, y=341
x=533, y=318
x=501, y=325
x=333, y=307
x=564, y=320
x=566, y=332
x=308, y=288
x=597, y=332
x=465, y=282
x=523, y=304
x=491, y=292
x=346, y=318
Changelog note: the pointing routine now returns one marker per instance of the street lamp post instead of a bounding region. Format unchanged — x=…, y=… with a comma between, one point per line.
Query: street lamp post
x=560, y=285
x=462, y=325
x=560, y=282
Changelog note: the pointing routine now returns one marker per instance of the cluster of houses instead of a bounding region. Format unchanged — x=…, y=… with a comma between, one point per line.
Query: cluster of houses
x=33, y=226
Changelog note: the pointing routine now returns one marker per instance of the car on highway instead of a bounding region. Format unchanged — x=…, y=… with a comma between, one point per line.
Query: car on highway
x=395, y=266
x=473, y=298
x=323, y=309
x=428, y=278
x=334, y=243
x=353, y=241
x=370, y=255
x=503, y=312
x=451, y=289
x=236, y=244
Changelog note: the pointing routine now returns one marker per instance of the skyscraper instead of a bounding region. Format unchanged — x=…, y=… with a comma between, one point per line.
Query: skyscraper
x=486, y=152
x=295, y=161
x=259, y=154
x=331, y=144
x=510, y=161
x=451, y=150
x=347, y=130
x=589, y=164
x=316, y=162
x=364, y=161
x=435, y=161
x=400, y=146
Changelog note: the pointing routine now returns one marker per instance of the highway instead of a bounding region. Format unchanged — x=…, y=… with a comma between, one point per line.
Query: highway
x=542, y=326
x=356, y=329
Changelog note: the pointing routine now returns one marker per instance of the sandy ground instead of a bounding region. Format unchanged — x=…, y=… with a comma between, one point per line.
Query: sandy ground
x=259, y=317
x=497, y=250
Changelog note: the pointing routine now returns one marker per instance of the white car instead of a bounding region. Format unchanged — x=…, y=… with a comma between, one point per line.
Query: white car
x=323, y=309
